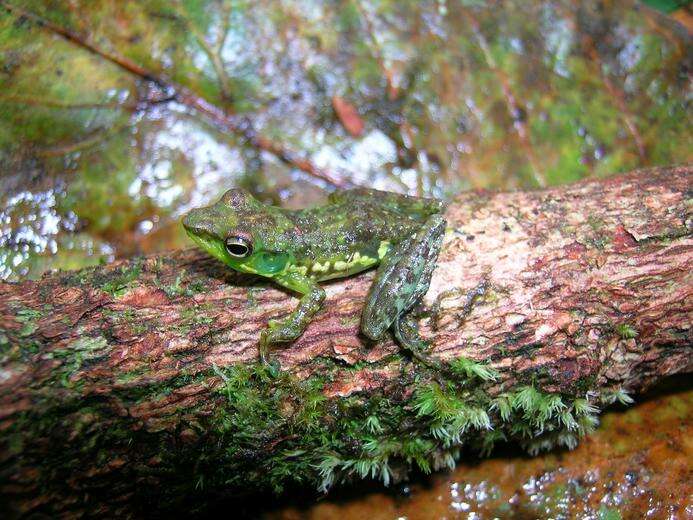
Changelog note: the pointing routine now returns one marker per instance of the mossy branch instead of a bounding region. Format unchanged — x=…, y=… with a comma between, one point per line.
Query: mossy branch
x=137, y=383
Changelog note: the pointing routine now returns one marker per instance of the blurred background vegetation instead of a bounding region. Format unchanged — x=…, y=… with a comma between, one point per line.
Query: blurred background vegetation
x=116, y=117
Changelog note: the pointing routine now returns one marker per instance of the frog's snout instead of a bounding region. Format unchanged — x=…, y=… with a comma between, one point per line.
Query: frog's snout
x=187, y=223
x=193, y=223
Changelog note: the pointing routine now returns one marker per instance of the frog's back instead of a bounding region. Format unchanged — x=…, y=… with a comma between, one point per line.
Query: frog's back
x=417, y=208
x=348, y=236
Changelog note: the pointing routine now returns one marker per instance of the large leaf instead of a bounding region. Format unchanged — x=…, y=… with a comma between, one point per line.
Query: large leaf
x=118, y=116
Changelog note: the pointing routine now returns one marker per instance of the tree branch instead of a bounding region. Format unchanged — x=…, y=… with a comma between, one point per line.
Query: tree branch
x=137, y=383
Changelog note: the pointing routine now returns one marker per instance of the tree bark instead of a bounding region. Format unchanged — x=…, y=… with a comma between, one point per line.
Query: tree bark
x=135, y=386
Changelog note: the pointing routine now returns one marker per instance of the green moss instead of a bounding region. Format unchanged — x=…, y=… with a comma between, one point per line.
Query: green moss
x=585, y=384
x=119, y=281
x=28, y=318
x=127, y=316
x=86, y=347
x=130, y=376
x=179, y=288
x=626, y=331
x=617, y=395
x=191, y=317
x=305, y=437
x=197, y=286
x=4, y=342
x=599, y=238
x=75, y=354
x=472, y=369
x=270, y=431
x=372, y=424
x=147, y=391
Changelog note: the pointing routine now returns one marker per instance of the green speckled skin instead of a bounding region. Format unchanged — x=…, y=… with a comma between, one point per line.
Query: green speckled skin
x=357, y=229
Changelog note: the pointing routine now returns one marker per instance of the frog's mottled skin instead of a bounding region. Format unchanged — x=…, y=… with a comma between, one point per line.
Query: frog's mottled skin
x=356, y=230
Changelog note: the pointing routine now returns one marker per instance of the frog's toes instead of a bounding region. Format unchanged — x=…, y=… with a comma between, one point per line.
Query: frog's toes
x=281, y=332
x=374, y=330
x=406, y=331
x=271, y=363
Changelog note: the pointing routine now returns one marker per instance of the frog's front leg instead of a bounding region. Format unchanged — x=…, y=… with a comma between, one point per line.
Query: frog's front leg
x=291, y=327
x=400, y=282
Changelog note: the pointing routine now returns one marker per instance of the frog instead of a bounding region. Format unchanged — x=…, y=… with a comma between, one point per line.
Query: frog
x=357, y=229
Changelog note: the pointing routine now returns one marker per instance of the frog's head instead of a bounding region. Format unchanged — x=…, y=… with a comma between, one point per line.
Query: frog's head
x=242, y=232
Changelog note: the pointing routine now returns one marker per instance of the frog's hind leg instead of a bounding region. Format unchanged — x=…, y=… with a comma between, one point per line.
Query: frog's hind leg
x=416, y=207
x=400, y=282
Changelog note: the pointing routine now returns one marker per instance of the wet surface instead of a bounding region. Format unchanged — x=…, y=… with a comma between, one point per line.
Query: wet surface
x=97, y=161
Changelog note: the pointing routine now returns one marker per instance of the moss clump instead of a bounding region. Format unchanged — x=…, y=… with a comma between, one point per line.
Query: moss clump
x=616, y=395
x=180, y=287
x=130, y=376
x=119, y=281
x=127, y=316
x=191, y=317
x=471, y=369
x=626, y=331
x=28, y=318
x=85, y=348
x=276, y=430
x=258, y=430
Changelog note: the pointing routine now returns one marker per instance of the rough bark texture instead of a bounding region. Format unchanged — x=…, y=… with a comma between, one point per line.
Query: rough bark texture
x=134, y=387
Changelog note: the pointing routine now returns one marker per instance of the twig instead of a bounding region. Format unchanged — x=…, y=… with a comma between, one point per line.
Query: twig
x=188, y=98
x=377, y=52
x=214, y=52
x=51, y=103
x=617, y=94
x=515, y=111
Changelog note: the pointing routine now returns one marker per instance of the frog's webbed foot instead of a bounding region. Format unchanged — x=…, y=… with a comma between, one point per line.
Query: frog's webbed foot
x=400, y=283
x=277, y=331
x=406, y=332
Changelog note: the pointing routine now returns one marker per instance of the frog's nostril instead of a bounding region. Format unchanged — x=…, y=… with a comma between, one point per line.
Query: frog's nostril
x=189, y=222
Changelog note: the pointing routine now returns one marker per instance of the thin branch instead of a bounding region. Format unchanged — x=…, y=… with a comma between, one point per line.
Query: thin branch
x=94, y=139
x=51, y=103
x=214, y=53
x=616, y=94
x=377, y=51
x=514, y=109
x=595, y=62
x=185, y=96
x=132, y=389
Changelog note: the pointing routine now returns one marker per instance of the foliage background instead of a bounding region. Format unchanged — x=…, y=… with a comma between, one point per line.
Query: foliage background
x=117, y=117
x=428, y=98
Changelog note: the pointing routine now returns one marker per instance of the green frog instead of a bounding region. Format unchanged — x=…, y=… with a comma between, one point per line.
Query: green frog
x=356, y=230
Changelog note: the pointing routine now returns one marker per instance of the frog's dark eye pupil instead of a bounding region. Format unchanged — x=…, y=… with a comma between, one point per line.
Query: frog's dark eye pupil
x=238, y=247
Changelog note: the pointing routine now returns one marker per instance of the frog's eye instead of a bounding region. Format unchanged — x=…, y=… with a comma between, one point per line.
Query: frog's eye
x=239, y=247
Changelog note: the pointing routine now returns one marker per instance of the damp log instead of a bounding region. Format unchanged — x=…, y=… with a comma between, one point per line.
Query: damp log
x=134, y=388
